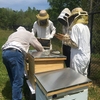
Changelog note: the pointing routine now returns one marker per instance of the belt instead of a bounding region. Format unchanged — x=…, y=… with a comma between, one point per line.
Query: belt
x=12, y=49
x=16, y=50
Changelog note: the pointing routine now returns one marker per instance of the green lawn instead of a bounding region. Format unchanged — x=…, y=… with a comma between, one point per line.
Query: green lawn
x=5, y=89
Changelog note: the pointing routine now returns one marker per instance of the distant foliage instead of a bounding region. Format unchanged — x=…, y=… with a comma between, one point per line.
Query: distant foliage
x=10, y=19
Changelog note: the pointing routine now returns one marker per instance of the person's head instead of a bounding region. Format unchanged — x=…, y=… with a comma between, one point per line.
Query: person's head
x=78, y=16
x=63, y=17
x=43, y=17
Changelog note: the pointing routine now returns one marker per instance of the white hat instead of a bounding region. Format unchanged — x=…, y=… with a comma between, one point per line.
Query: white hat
x=63, y=17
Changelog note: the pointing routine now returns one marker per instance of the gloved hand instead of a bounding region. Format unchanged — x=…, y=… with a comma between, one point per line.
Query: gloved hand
x=66, y=39
x=59, y=36
x=51, y=36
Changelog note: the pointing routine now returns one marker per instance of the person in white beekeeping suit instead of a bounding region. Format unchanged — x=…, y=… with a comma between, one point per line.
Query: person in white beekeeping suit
x=63, y=19
x=79, y=40
x=44, y=29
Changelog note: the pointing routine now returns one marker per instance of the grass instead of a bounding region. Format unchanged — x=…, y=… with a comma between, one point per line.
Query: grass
x=5, y=88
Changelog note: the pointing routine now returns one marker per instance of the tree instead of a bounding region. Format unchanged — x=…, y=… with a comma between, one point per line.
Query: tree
x=56, y=6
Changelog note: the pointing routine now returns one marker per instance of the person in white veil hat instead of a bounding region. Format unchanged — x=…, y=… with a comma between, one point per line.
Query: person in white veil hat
x=44, y=28
x=79, y=40
x=63, y=19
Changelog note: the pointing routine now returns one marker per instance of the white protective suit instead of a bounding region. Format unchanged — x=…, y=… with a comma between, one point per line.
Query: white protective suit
x=80, y=57
x=47, y=32
x=44, y=32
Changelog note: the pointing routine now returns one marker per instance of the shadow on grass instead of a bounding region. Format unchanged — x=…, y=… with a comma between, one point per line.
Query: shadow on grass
x=6, y=92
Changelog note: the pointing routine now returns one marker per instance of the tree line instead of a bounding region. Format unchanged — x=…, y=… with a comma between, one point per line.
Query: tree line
x=11, y=19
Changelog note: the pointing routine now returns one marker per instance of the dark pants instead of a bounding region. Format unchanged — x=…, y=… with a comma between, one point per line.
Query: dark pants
x=66, y=52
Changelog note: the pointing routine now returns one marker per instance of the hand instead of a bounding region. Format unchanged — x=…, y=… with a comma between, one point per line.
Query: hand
x=59, y=36
x=67, y=36
x=51, y=36
x=66, y=39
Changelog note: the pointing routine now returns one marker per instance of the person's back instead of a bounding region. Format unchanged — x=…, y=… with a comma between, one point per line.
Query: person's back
x=13, y=56
x=82, y=39
x=80, y=35
x=22, y=39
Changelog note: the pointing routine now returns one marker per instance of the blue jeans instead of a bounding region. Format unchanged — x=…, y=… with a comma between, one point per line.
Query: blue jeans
x=14, y=62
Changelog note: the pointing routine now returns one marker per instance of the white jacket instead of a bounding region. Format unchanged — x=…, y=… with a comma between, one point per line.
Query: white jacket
x=44, y=32
x=21, y=40
x=80, y=57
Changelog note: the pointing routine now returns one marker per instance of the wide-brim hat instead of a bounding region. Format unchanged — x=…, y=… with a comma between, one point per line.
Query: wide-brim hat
x=42, y=15
x=63, y=17
x=78, y=12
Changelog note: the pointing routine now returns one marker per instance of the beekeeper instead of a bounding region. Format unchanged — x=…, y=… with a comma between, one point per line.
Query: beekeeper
x=14, y=53
x=43, y=28
x=79, y=40
x=63, y=19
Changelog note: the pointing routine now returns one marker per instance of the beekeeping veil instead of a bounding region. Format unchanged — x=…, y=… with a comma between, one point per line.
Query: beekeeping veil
x=63, y=17
x=78, y=16
x=43, y=17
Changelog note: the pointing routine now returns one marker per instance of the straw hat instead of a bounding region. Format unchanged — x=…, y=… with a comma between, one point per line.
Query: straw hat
x=63, y=17
x=78, y=12
x=77, y=16
x=42, y=15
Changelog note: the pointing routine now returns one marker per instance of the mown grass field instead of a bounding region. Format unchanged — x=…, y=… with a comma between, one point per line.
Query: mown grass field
x=5, y=88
